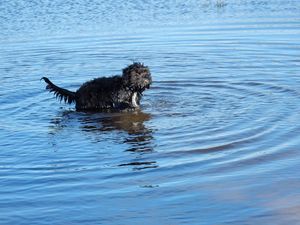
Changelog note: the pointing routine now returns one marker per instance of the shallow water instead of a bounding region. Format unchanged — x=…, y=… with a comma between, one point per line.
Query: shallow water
x=217, y=138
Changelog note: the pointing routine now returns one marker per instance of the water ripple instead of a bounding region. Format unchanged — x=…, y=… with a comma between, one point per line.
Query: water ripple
x=216, y=132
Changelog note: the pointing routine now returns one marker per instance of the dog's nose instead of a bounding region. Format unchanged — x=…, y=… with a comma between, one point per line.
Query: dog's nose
x=147, y=84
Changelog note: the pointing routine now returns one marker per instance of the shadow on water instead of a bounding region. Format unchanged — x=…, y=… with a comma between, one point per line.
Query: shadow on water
x=130, y=127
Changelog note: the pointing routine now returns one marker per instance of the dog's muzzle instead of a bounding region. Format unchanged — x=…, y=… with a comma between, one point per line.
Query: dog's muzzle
x=147, y=84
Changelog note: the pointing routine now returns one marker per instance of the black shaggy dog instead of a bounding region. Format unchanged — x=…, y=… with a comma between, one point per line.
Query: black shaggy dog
x=117, y=93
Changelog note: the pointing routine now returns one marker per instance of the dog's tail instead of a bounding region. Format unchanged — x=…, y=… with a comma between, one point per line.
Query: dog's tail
x=60, y=93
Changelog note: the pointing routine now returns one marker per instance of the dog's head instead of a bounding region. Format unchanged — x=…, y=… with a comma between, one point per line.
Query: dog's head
x=137, y=77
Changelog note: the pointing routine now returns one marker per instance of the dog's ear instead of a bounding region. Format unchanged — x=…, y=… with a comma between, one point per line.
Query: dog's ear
x=129, y=72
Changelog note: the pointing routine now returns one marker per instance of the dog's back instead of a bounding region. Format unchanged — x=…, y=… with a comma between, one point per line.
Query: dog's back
x=102, y=93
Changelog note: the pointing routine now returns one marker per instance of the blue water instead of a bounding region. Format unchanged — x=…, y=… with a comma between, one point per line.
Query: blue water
x=217, y=138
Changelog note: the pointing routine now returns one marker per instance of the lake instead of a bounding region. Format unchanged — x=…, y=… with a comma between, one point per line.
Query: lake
x=216, y=140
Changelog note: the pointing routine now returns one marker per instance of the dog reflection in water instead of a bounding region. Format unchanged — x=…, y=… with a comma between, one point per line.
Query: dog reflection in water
x=133, y=132
x=108, y=94
x=137, y=135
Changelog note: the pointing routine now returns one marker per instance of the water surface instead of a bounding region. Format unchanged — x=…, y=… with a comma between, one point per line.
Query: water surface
x=217, y=137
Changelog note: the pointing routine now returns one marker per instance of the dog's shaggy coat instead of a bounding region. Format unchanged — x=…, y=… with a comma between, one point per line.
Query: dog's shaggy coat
x=115, y=93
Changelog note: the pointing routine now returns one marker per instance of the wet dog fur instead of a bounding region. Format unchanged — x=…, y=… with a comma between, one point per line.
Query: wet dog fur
x=117, y=93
